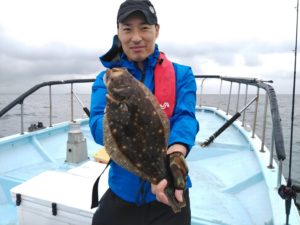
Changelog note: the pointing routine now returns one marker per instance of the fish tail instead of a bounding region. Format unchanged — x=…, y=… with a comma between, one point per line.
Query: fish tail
x=174, y=203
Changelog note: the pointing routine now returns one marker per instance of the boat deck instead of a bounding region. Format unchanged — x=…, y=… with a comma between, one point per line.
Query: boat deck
x=24, y=157
x=229, y=181
x=225, y=175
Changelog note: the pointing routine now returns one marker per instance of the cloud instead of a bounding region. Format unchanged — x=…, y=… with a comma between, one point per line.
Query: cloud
x=225, y=53
x=19, y=60
x=22, y=64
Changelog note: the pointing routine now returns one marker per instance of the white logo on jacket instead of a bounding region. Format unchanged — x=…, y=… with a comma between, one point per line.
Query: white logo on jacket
x=165, y=105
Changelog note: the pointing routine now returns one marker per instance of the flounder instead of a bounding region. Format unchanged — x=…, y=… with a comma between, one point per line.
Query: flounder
x=136, y=130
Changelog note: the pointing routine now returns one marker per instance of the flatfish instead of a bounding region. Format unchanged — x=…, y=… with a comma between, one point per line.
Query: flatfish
x=136, y=130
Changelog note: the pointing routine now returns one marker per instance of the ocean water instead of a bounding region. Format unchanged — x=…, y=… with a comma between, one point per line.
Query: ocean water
x=36, y=109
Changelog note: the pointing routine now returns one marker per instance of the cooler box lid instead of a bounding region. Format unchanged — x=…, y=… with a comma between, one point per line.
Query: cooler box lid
x=71, y=190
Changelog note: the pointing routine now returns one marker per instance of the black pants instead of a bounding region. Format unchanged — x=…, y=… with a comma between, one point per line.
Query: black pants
x=114, y=211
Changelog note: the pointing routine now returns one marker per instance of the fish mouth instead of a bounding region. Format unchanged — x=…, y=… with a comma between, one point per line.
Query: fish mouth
x=118, y=94
x=119, y=90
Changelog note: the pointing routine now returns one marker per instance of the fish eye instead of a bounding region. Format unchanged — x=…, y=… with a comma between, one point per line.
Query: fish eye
x=105, y=78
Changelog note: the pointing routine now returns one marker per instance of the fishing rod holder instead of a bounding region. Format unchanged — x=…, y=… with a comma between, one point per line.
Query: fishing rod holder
x=76, y=151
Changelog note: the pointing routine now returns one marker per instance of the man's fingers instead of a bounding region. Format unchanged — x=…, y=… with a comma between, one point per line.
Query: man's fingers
x=161, y=197
x=178, y=195
x=161, y=186
x=159, y=189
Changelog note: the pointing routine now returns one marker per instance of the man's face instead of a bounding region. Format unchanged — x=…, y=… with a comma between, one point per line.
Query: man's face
x=137, y=38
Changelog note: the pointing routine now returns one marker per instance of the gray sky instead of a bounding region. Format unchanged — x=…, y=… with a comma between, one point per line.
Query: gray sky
x=62, y=39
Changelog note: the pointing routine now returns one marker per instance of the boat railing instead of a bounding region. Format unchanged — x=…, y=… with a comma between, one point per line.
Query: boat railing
x=270, y=99
x=20, y=100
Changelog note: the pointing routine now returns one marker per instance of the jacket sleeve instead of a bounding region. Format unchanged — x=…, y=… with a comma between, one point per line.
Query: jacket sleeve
x=184, y=125
x=98, y=103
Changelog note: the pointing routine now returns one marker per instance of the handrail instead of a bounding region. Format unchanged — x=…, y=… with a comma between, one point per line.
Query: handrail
x=277, y=129
x=20, y=99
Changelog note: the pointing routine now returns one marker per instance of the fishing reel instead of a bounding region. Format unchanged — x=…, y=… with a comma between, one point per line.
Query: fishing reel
x=287, y=192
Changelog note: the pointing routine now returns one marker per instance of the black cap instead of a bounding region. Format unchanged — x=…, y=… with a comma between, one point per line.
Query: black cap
x=144, y=6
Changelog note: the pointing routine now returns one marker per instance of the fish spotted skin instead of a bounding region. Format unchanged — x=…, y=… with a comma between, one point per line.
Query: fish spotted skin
x=136, y=130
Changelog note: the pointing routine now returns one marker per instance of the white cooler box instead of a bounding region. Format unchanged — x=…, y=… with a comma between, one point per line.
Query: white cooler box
x=59, y=198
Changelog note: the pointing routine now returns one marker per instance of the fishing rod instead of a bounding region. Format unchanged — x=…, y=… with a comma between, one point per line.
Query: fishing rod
x=227, y=124
x=289, y=191
x=85, y=109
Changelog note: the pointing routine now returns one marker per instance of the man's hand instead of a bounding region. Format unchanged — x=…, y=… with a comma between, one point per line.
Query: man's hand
x=158, y=190
x=178, y=165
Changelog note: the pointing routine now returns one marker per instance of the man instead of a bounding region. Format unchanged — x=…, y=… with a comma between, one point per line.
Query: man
x=129, y=199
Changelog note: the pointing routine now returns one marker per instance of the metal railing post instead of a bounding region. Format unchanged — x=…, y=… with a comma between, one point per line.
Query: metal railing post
x=229, y=98
x=50, y=106
x=220, y=93
x=264, y=124
x=255, y=114
x=201, y=91
x=244, y=113
x=238, y=98
x=72, y=105
x=22, y=118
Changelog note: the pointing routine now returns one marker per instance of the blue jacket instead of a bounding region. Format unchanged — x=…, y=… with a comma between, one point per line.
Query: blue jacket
x=183, y=123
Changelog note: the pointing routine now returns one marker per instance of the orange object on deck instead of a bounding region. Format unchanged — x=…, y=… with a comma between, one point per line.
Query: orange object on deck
x=101, y=156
